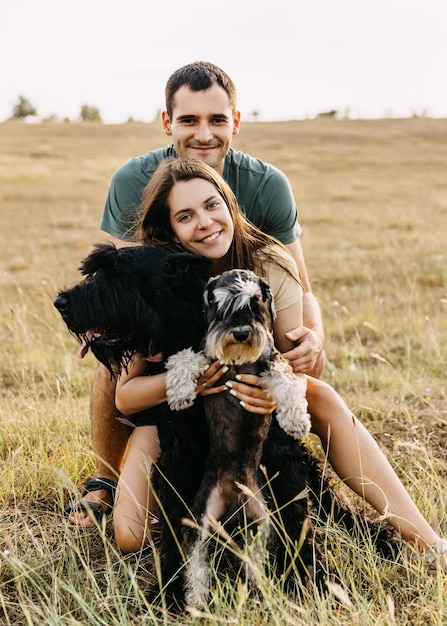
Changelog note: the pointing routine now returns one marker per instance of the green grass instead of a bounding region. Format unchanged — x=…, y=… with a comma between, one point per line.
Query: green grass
x=373, y=204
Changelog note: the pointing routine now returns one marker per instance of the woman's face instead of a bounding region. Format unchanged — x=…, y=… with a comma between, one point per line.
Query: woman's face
x=200, y=218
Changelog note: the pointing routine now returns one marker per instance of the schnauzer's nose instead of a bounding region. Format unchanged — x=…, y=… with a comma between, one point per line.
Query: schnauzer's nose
x=61, y=303
x=240, y=334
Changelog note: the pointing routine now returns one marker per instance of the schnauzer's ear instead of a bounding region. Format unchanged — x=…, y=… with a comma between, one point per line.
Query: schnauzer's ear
x=268, y=298
x=208, y=293
x=103, y=257
x=206, y=298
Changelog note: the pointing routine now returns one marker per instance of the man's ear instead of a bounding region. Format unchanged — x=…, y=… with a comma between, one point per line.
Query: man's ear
x=236, y=123
x=166, y=123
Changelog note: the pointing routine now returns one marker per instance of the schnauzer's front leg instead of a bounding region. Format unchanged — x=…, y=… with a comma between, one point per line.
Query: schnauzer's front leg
x=289, y=391
x=183, y=370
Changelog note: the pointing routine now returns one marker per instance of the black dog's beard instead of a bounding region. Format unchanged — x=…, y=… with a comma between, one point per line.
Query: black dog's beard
x=223, y=344
x=114, y=353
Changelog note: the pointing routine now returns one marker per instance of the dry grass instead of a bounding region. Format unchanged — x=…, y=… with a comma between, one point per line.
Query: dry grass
x=373, y=202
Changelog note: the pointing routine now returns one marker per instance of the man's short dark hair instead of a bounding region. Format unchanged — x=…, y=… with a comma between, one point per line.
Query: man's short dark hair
x=199, y=76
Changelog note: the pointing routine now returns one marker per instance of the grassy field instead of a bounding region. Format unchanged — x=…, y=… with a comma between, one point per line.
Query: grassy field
x=373, y=205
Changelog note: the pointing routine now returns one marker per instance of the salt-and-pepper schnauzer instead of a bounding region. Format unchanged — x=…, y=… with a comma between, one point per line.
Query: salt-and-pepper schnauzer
x=239, y=312
x=144, y=300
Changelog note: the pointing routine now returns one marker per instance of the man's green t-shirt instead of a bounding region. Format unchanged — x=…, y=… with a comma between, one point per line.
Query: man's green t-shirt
x=262, y=191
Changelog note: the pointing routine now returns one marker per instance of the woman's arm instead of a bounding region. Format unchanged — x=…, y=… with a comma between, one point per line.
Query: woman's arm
x=136, y=392
x=290, y=317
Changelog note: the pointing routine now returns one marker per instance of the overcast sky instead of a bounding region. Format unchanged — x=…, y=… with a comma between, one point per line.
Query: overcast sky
x=290, y=59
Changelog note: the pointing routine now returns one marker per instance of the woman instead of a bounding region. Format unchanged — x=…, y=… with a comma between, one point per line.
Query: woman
x=188, y=206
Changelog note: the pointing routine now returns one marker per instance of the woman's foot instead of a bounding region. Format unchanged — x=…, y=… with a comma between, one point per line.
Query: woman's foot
x=97, y=500
x=436, y=557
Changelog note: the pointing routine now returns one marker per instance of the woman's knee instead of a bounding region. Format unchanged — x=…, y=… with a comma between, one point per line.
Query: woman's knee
x=130, y=536
x=326, y=408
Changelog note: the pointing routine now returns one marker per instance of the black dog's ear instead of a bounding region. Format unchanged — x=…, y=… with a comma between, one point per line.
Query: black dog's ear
x=103, y=257
x=185, y=261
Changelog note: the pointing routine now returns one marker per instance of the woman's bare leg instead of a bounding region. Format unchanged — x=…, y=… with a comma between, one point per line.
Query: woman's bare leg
x=135, y=503
x=359, y=461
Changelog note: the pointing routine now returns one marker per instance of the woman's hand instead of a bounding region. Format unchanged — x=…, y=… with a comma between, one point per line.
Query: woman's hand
x=246, y=389
x=210, y=376
x=251, y=395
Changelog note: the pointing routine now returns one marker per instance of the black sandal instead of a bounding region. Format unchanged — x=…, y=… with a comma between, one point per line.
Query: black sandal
x=93, y=484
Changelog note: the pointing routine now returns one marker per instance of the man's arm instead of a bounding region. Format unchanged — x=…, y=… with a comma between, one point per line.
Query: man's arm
x=119, y=243
x=308, y=355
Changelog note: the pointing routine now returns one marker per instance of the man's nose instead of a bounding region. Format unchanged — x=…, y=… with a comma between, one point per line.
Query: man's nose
x=203, y=132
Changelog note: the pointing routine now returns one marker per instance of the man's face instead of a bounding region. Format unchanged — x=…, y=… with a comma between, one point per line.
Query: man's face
x=202, y=125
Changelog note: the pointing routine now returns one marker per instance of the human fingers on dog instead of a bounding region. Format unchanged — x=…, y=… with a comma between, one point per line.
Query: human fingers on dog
x=205, y=384
x=305, y=357
x=299, y=363
x=252, y=397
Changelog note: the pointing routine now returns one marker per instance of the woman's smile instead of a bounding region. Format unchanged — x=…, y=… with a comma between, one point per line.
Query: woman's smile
x=210, y=238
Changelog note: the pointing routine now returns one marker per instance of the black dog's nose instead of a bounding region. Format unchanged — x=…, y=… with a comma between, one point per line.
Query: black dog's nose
x=61, y=303
x=240, y=334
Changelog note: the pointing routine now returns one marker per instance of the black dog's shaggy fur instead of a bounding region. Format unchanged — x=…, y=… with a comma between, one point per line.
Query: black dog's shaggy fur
x=145, y=300
x=135, y=300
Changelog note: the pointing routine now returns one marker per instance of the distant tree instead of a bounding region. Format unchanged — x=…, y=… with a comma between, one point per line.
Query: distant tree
x=52, y=118
x=90, y=114
x=22, y=109
x=254, y=115
x=328, y=114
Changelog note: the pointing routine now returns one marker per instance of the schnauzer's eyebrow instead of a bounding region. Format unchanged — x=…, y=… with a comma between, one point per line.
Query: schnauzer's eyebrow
x=227, y=300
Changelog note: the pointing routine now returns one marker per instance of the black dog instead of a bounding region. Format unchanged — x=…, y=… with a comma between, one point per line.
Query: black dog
x=145, y=300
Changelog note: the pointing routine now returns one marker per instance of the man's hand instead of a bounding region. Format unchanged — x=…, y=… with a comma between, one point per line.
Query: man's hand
x=308, y=355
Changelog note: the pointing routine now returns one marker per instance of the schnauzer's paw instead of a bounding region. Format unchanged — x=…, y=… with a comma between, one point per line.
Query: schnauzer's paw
x=183, y=370
x=289, y=391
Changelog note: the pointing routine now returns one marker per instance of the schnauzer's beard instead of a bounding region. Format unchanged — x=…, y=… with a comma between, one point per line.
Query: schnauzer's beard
x=222, y=343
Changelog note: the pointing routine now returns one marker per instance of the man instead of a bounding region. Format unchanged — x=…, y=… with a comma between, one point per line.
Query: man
x=201, y=117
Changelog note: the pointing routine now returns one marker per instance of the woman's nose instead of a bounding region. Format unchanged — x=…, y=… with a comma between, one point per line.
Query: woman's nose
x=204, y=220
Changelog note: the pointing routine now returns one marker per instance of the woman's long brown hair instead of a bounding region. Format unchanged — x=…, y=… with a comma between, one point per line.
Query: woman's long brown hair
x=250, y=246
